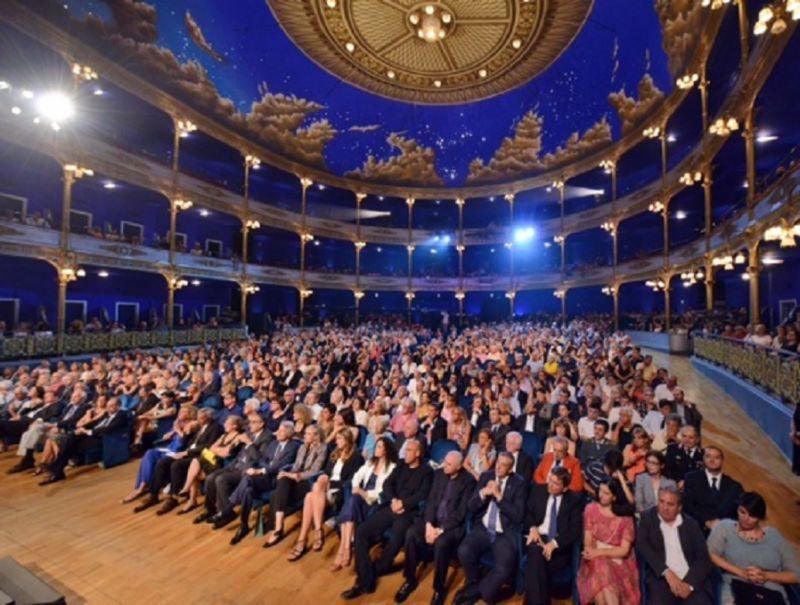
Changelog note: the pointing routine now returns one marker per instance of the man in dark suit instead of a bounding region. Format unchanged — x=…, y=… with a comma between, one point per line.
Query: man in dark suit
x=50, y=415
x=220, y=483
x=172, y=468
x=683, y=457
x=708, y=494
x=434, y=428
x=280, y=453
x=496, y=428
x=82, y=439
x=678, y=567
x=440, y=530
x=523, y=464
x=403, y=491
x=553, y=519
x=498, y=506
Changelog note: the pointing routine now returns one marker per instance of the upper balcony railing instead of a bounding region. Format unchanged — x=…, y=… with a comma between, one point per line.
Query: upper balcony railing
x=774, y=370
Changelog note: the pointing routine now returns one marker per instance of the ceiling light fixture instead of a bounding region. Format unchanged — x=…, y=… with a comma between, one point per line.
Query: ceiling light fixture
x=55, y=107
x=432, y=22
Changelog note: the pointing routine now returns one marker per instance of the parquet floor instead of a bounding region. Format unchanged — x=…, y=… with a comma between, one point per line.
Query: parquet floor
x=79, y=537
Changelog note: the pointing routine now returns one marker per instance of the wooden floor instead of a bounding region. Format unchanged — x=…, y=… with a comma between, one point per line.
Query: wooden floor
x=77, y=536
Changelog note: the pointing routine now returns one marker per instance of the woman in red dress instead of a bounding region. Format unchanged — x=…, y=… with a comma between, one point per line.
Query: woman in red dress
x=608, y=574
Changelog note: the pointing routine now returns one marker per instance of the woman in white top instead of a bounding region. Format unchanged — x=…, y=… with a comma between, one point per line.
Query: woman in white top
x=367, y=485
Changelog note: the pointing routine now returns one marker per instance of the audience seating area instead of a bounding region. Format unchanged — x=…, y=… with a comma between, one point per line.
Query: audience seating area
x=515, y=446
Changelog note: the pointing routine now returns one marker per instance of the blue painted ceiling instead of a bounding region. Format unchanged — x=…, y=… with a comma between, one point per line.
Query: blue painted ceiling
x=620, y=42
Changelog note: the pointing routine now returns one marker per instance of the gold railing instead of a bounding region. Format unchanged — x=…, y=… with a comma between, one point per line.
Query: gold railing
x=76, y=344
x=771, y=369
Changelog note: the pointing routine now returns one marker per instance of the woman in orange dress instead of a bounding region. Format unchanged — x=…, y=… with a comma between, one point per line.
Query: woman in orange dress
x=608, y=574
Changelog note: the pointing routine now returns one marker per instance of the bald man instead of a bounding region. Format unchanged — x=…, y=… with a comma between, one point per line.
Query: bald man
x=439, y=532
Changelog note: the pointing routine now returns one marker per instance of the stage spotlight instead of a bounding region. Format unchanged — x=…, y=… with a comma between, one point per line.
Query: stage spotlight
x=55, y=107
x=523, y=235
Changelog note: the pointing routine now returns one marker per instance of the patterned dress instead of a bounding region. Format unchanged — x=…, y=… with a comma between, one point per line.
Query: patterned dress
x=621, y=575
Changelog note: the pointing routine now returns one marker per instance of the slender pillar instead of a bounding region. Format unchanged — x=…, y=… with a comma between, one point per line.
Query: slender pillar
x=305, y=236
x=173, y=224
x=410, y=246
x=744, y=33
x=509, y=197
x=358, y=245
x=357, y=296
x=614, y=184
x=615, y=298
x=667, y=302
x=564, y=307
x=709, y=283
x=563, y=236
x=66, y=206
x=460, y=246
x=703, y=85
x=663, y=140
x=754, y=270
x=750, y=159
x=615, y=248
x=61, y=310
x=708, y=206
x=243, y=287
x=665, y=223
x=460, y=298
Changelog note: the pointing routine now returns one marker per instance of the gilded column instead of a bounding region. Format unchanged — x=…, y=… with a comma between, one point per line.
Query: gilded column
x=754, y=271
x=460, y=249
x=750, y=159
x=509, y=197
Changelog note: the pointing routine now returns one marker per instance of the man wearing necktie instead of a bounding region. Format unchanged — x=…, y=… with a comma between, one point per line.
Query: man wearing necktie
x=710, y=495
x=254, y=472
x=85, y=438
x=498, y=507
x=553, y=519
x=48, y=417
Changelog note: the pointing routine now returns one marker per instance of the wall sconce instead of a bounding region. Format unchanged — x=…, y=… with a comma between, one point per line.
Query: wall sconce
x=685, y=82
x=84, y=72
x=184, y=127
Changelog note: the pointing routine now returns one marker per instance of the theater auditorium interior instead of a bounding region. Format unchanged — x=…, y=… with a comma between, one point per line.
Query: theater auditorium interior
x=385, y=301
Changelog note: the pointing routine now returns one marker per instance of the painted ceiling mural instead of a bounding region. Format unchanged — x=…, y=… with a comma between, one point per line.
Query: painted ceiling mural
x=233, y=61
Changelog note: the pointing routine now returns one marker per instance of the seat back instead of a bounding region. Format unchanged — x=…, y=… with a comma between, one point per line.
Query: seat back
x=440, y=449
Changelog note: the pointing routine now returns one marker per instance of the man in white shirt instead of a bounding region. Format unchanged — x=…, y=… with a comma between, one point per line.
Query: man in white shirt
x=665, y=389
x=678, y=565
x=761, y=337
x=586, y=423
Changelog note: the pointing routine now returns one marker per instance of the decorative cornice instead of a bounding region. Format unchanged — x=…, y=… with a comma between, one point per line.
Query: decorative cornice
x=780, y=201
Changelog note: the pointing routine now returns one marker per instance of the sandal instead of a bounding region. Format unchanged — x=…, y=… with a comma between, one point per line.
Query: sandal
x=275, y=536
x=319, y=541
x=298, y=551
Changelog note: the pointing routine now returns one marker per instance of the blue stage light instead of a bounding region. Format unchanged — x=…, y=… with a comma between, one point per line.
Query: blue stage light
x=523, y=235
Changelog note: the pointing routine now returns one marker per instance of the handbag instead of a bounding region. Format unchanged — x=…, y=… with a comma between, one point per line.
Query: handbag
x=209, y=456
x=745, y=593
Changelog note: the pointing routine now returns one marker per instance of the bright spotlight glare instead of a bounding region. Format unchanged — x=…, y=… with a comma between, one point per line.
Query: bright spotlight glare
x=523, y=234
x=55, y=107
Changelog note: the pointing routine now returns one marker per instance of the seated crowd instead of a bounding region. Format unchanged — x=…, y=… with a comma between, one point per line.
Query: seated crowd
x=548, y=460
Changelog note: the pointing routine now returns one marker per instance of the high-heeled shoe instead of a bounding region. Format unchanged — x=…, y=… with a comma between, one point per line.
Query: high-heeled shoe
x=342, y=560
x=298, y=551
x=319, y=540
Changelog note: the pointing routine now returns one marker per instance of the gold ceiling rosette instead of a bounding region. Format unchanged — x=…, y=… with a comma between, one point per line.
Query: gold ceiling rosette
x=434, y=52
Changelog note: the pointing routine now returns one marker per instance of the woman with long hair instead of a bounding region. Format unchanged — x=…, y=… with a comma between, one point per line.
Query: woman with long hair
x=327, y=492
x=367, y=485
x=608, y=574
x=225, y=448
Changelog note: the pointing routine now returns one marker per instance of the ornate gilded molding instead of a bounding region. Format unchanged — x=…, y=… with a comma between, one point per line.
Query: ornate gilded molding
x=433, y=52
x=781, y=201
